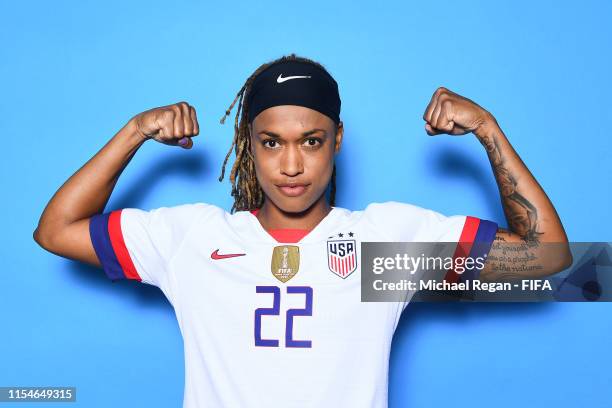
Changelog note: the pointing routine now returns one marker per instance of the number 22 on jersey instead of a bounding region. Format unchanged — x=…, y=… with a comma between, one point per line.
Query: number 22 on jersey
x=306, y=291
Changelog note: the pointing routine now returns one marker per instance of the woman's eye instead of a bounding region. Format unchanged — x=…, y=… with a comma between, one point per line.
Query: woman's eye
x=312, y=142
x=274, y=144
x=271, y=143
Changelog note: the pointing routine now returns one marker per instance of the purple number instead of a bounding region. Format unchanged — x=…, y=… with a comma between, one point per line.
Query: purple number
x=291, y=313
x=274, y=311
x=307, y=311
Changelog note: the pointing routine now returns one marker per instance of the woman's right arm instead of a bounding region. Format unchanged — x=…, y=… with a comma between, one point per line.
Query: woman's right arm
x=63, y=228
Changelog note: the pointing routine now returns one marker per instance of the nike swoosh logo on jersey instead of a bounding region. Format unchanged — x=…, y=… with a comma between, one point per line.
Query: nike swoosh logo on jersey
x=216, y=255
x=280, y=78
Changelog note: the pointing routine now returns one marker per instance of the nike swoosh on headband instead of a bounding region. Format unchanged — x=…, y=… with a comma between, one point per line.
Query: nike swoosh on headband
x=280, y=78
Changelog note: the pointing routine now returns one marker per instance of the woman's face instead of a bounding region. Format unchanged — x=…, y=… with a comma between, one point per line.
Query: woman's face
x=294, y=147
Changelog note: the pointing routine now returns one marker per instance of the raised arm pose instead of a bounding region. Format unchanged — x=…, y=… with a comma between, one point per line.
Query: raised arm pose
x=516, y=253
x=268, y=295
x=64, y=225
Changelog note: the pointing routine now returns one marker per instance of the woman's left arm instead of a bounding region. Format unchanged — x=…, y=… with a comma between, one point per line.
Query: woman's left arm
x=535, y=244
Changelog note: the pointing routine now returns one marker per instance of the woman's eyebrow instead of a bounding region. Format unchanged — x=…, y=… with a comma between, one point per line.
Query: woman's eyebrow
x=307, y=133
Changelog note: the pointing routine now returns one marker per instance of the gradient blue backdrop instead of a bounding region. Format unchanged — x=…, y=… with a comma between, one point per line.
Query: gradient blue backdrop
x=72, y=73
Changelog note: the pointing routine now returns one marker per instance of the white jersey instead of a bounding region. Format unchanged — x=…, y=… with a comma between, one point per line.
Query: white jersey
x=268, y=323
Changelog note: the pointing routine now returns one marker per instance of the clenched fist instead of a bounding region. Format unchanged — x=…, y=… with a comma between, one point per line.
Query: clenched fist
x=453, y=114
x=173, y=124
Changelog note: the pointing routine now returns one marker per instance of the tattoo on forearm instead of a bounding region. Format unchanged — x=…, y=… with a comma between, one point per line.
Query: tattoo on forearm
x=521, y=214
x=512, y=261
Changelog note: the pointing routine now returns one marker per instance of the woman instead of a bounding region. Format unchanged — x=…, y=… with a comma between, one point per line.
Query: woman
x=268, y=297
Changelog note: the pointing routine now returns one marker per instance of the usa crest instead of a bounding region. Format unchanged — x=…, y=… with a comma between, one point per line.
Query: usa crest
x=342, y=257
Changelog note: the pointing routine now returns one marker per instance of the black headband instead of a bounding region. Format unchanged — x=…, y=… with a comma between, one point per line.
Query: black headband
x=294, y=83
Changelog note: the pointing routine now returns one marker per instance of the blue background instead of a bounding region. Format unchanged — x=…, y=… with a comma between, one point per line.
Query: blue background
x=72, y=74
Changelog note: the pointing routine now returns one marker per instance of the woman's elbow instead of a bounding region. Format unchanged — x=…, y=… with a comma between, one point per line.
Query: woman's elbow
x=42, y=238
x=567, y=259
x=562, y=258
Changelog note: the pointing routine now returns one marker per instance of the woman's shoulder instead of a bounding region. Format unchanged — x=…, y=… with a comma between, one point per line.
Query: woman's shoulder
x=388, y=214
x=186, y=211
x=389, y=207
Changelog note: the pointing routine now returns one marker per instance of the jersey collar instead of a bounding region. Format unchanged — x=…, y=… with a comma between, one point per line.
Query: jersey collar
x=293, y=235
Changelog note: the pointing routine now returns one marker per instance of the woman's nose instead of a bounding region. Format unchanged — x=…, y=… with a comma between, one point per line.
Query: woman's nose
x=291, y=162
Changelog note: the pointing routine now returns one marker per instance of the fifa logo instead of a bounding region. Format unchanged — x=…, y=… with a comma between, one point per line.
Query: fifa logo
x=285, y=262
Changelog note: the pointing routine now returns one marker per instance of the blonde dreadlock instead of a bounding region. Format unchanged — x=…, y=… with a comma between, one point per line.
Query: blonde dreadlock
x=246, y=190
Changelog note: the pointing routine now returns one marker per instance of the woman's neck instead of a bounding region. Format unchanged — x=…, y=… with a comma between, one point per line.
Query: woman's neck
x=271, y=217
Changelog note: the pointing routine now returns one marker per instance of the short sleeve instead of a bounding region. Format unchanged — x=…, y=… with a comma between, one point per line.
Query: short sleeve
x=403, y=222
x=136, y=244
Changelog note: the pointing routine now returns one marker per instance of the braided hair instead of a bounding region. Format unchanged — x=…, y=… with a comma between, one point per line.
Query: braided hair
x=248, y=194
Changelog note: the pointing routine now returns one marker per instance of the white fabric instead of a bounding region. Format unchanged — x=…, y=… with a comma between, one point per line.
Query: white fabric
x=215, y=303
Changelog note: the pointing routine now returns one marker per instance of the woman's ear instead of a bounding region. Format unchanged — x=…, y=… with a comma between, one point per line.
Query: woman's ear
x=339, y=134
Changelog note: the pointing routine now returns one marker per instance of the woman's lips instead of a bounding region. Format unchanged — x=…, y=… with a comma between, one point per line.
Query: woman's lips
x=293, y=190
